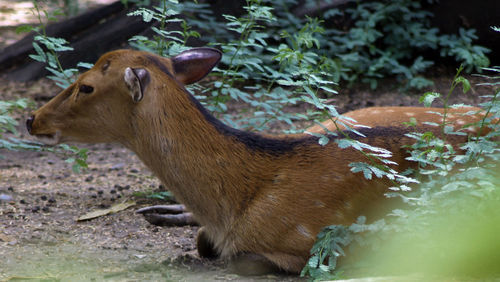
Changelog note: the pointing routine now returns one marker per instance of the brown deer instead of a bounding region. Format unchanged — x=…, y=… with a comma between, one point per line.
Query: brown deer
x=260, y=199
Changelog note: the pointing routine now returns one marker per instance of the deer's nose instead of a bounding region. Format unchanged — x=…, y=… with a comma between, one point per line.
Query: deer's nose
x=29, y=123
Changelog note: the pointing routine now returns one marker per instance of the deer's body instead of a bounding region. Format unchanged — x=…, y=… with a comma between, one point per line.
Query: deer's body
x=252, y=193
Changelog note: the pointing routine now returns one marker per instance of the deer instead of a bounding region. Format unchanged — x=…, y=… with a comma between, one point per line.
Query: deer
x=260, y=199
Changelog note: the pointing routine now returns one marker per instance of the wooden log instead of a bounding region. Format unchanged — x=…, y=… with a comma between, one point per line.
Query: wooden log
x=88, y=45
x=18, y=52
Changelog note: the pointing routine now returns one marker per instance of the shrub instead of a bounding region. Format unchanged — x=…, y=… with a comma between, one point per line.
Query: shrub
x=457, y=195
x=63, y=78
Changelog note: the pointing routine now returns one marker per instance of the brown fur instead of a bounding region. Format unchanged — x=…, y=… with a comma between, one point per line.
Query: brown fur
x=270, y=200
x=397, y=116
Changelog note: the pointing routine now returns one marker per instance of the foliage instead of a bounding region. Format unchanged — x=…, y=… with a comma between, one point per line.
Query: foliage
x=161, y=195
x=75, y=156
x=329, y=246
x=273, y=59
x=385, y=39
x=452, y=241
x=165, y=42
x=67, y=7
x=49, y=54
x=248, y=58
x=388, y=38
x=8, y=123
x=450, y=182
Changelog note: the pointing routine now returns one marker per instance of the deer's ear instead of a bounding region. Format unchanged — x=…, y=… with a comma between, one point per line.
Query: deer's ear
x=137, y=80
x=194, y=64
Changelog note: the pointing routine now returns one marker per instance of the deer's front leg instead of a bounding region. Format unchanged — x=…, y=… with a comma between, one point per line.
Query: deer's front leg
x=167, y=215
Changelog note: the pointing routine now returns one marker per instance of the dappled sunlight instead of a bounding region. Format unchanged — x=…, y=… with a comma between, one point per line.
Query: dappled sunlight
x=13, y=13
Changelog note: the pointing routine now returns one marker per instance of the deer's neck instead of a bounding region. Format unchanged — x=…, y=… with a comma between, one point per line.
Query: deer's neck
x=215, y=170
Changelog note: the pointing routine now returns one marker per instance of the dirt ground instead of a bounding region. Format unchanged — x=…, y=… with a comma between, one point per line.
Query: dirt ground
x=41, y=198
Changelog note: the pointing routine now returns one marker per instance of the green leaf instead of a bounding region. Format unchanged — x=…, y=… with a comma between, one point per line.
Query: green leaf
x=85, y=65
x=24, y=28
x=75, y=168
x=465, y=83
x=323, y=140
x=39, y=51
x=428, y=98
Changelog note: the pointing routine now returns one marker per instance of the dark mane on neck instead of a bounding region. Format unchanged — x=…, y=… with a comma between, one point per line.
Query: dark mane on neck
x=278, y=146
x=257, y=142
x=251, y=140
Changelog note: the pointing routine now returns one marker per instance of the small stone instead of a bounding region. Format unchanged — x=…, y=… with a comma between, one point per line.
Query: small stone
x=22, y=201
x=100, y=192
x=45, y=209
x=93, y=196
x=35, y=209
x=5, y=198
x=113, y=191
x=43, y=197
x=89, y=178
x=118, y=166
x=41, y=176
x=133, y=170
x=52, y=200
x=11, y=189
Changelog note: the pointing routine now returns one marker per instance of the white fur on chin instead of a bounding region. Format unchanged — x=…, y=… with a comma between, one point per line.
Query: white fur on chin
x=51, y=141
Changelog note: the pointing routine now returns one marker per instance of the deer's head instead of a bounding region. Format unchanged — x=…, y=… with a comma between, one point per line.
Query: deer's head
x=100, y=105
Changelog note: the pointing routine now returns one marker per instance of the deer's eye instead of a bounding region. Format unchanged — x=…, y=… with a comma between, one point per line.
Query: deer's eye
x=86, y=89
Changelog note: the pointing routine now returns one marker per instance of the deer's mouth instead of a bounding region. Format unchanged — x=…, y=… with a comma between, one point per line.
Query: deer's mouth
x=50, y=139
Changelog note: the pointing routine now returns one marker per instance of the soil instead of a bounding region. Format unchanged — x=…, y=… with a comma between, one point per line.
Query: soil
x=41, y=199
